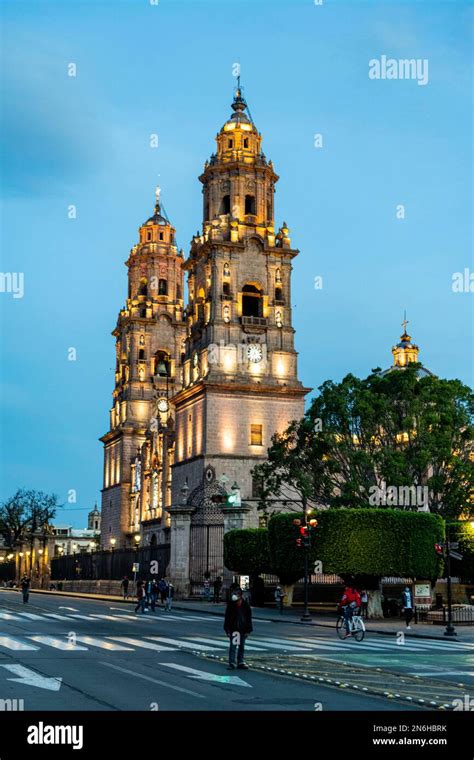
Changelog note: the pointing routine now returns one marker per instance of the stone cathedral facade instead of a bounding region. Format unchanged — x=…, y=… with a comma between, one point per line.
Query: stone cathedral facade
x=201, y=387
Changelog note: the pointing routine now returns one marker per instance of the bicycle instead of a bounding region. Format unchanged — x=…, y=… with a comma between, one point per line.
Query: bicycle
x=356, y=627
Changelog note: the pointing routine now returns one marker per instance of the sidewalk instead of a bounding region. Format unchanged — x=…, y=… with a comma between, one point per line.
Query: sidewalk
x=465, y=634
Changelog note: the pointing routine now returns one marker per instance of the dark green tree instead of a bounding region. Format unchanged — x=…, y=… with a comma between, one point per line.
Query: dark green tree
x=25, y=514
x=359, y=436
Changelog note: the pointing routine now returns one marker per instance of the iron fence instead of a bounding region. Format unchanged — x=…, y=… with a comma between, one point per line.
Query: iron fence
x=111, y=564
x=462, y=615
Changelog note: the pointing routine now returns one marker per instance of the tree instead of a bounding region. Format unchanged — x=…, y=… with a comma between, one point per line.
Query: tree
x=396, y=430
x=363, y=545
x=246, y=552
x=24, y=514
x=463, y=533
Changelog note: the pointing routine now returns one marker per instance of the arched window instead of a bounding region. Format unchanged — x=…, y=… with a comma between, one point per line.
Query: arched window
x=162, y=364
x=252, y=301
x=141, y=355
x=246, y=142
x=162, y=287
x=278, y=294
x=149, y=235
x=178, y=292
x=230, y=144
x=143, y=312
x=225, y=205
x=143, y=287
x=250, y=204
x=226, y=288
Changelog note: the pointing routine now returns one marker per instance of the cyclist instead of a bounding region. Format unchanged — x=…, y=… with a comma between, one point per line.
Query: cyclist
x=349, y=603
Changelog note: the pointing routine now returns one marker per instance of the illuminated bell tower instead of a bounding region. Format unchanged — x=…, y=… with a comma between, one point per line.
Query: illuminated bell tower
x=239, y=374
x=149, y=342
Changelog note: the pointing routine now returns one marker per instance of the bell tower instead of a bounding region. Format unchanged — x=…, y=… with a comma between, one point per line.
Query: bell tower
x=239, y=372
x=149, y=344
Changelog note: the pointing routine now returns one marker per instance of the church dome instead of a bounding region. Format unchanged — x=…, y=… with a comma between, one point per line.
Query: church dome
x=404, y=353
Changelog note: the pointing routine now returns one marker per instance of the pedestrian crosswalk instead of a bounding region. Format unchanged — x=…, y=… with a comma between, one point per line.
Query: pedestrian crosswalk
x=296, y=645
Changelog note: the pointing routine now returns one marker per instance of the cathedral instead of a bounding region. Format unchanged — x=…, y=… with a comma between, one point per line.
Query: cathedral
x=201, y=386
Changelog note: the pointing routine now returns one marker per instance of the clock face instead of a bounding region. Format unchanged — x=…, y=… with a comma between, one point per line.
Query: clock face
x=255, y=353
x=163, y=405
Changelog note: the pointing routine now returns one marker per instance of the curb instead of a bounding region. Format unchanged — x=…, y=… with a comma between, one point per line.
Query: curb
x=340, y=684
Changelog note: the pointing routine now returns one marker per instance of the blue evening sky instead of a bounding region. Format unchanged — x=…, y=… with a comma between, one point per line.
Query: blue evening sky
x=167, y=69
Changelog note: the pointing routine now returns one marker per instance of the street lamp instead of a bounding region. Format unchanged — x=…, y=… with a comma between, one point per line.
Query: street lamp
x=450, y=627
x=113, y=541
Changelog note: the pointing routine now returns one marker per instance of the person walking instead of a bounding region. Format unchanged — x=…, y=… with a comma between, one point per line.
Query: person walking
x=217, y=589
x=364, y=604
x=207, y=590
x=124, y=586
x=407, y=607
x=169, y=597
x=162, y=586
x=25, y=588
x=153, y=595
x=279, y=597
x=141, y=597
x=237, y=625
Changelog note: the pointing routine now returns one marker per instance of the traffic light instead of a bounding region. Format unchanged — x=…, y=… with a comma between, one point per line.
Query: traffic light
x=305, y=537
x=439, y=549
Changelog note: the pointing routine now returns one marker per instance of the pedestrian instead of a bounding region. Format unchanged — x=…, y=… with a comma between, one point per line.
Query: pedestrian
x=407, y=607
x=141, y=597
x=237, y=625
x=364, y=604
x=25, y=588
x=207, y=590
x=124, y=586
x=169, y=597
x=162, y=586
x=153, y=595
x=279, y=597
x=217, y=589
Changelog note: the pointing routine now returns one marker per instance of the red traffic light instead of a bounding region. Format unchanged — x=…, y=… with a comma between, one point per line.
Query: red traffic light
x=439, y=549
x=304, y=530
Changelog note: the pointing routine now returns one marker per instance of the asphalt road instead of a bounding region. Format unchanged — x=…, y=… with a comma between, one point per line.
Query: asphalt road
x=64, y=653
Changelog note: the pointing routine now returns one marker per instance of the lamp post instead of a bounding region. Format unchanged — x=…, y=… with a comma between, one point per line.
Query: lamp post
x=450, y=631
x=113, y=541
x=137, y=538
x=41, y=566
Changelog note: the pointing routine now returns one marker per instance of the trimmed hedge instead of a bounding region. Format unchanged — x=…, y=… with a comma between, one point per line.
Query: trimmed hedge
x=350, y=542
x=246, y=551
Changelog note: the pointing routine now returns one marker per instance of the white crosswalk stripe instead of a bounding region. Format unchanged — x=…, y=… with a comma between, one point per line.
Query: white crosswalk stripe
x=224, y=644
x=141, y=643
x=8, y=616
x=184, y=644
x=19, y=646
x=52, y=641
x=31, y=616
x=102, y=644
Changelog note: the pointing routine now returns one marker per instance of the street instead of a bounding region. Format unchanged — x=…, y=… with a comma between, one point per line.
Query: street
x=65, y=653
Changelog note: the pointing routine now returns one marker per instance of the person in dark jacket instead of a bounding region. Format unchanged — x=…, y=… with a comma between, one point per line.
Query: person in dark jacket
x=237, y=625
x=25, y=588
x=217, y=589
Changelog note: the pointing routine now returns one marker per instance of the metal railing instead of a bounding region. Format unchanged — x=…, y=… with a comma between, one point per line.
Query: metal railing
x=462, y=615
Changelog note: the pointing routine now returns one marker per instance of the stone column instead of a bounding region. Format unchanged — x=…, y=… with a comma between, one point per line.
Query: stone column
x=180, y=548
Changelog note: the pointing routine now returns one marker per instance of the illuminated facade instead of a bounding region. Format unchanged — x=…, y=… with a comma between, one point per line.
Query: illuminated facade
x=139, y=446
x=232, y=380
